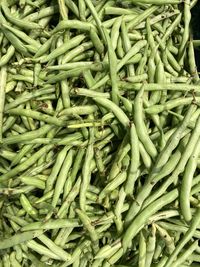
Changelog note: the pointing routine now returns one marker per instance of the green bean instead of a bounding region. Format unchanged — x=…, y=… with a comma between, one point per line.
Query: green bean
x=65, y=74
x=88, y=93
x=44, y=12
x=162, y=262
x=77, y=252
x=27, y=135
x=115, y=32
x=36, y=115
x=72, y=6
x=28, y=96
x=139, y=221
x=122, y=150
x=70, y=139
x=63, y=48
x=107, y=251
x=81, y=110
x=193, y=3
x=53, y=247
x=113, y=66
x=51, y=224
x=171, y=28
x=137, y=78
x=133, y=51
x=35, y=261
x=167, y=238
x=10, y=86
x=118, y=210
x=36, y=182
x=121, y=116
x=77, y=51
x=141, y=66
x=140, y=126
x=26, y=164
x=191, y=61
x=73, y=24
x=99, y=160
x=181, y=164
x=115, y=257
x=56, y=168
x=155, y=20
x=135, y=160
x=19, y=238
x=87, y=224
x=145, y=156
x=187, y=184
x=118, y=11
x=152, y=66
x=37, y=70
x=118, y=180
x=142, y=250
x=127, y=104
x=62, y=177
x=28, y=207
x=20, y=23
x=41, y=249
x=94, y=13
x=13, y=260
x=82, y=10
x=88, y=77
x=187, y=253
x=86, y=172
x=166, y=170
x=43, y=48
x=96, y=41
x=3, y=77
x=188, y=235
x=24, y=189
x=19, y=128
x=120, y=50
x=74, y=65
x=138, y=19
x=24, y=150
x=6, y=58
x=151, y=244
x=185, y=37
x=45, y=197
x=170, y=57
x=158, y=2
x=135, y=36
x=155, y=109
x=156, y=87
x=22, y=36
x=194, y=257
x=6, y=260
x=127, y=46
x=70, y=197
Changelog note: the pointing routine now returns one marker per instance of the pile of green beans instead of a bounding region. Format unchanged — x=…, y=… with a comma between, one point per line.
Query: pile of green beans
x=99, y=134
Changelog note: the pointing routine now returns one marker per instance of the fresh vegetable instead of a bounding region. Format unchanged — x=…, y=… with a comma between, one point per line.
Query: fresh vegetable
x=99, y=134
